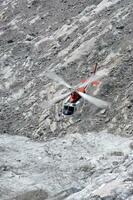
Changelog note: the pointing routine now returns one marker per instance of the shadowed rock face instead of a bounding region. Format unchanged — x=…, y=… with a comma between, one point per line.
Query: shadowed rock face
x=67, y=37
x=34, y=195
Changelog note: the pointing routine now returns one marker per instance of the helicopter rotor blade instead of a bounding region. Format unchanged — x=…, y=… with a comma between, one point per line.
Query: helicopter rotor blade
x=58, y=79
x=94, y=77
x=58, y=99
x=97, y=102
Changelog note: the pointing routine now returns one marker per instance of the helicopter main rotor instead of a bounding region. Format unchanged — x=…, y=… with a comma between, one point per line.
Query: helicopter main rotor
x=93, y=100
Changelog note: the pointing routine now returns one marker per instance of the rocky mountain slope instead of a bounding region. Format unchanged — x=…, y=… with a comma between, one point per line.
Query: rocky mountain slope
x=67, y=37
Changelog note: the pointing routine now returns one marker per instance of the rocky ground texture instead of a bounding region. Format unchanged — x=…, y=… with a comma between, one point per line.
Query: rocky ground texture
x=75, y=167
x=71, y=161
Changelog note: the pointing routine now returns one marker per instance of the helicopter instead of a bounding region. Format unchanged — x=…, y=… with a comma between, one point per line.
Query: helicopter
x=78, y=93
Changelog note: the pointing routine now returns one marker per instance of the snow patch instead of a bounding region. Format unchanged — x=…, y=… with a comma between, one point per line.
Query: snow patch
x=84, y=19
x=34, y=20
x=1, y=33
x=43, y=40
x=65, y=30
x=105, y=4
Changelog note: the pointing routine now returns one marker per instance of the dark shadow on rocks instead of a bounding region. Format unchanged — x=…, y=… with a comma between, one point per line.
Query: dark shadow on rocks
x=32, y=195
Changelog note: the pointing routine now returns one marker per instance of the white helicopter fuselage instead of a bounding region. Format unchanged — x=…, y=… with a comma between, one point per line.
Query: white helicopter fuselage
x=70, y=108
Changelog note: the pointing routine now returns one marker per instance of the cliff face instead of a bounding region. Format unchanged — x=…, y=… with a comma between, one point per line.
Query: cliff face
x=68, y=37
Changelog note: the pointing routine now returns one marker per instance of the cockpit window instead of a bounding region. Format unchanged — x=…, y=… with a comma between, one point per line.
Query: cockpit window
x=68, y=109
x=71, y=109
